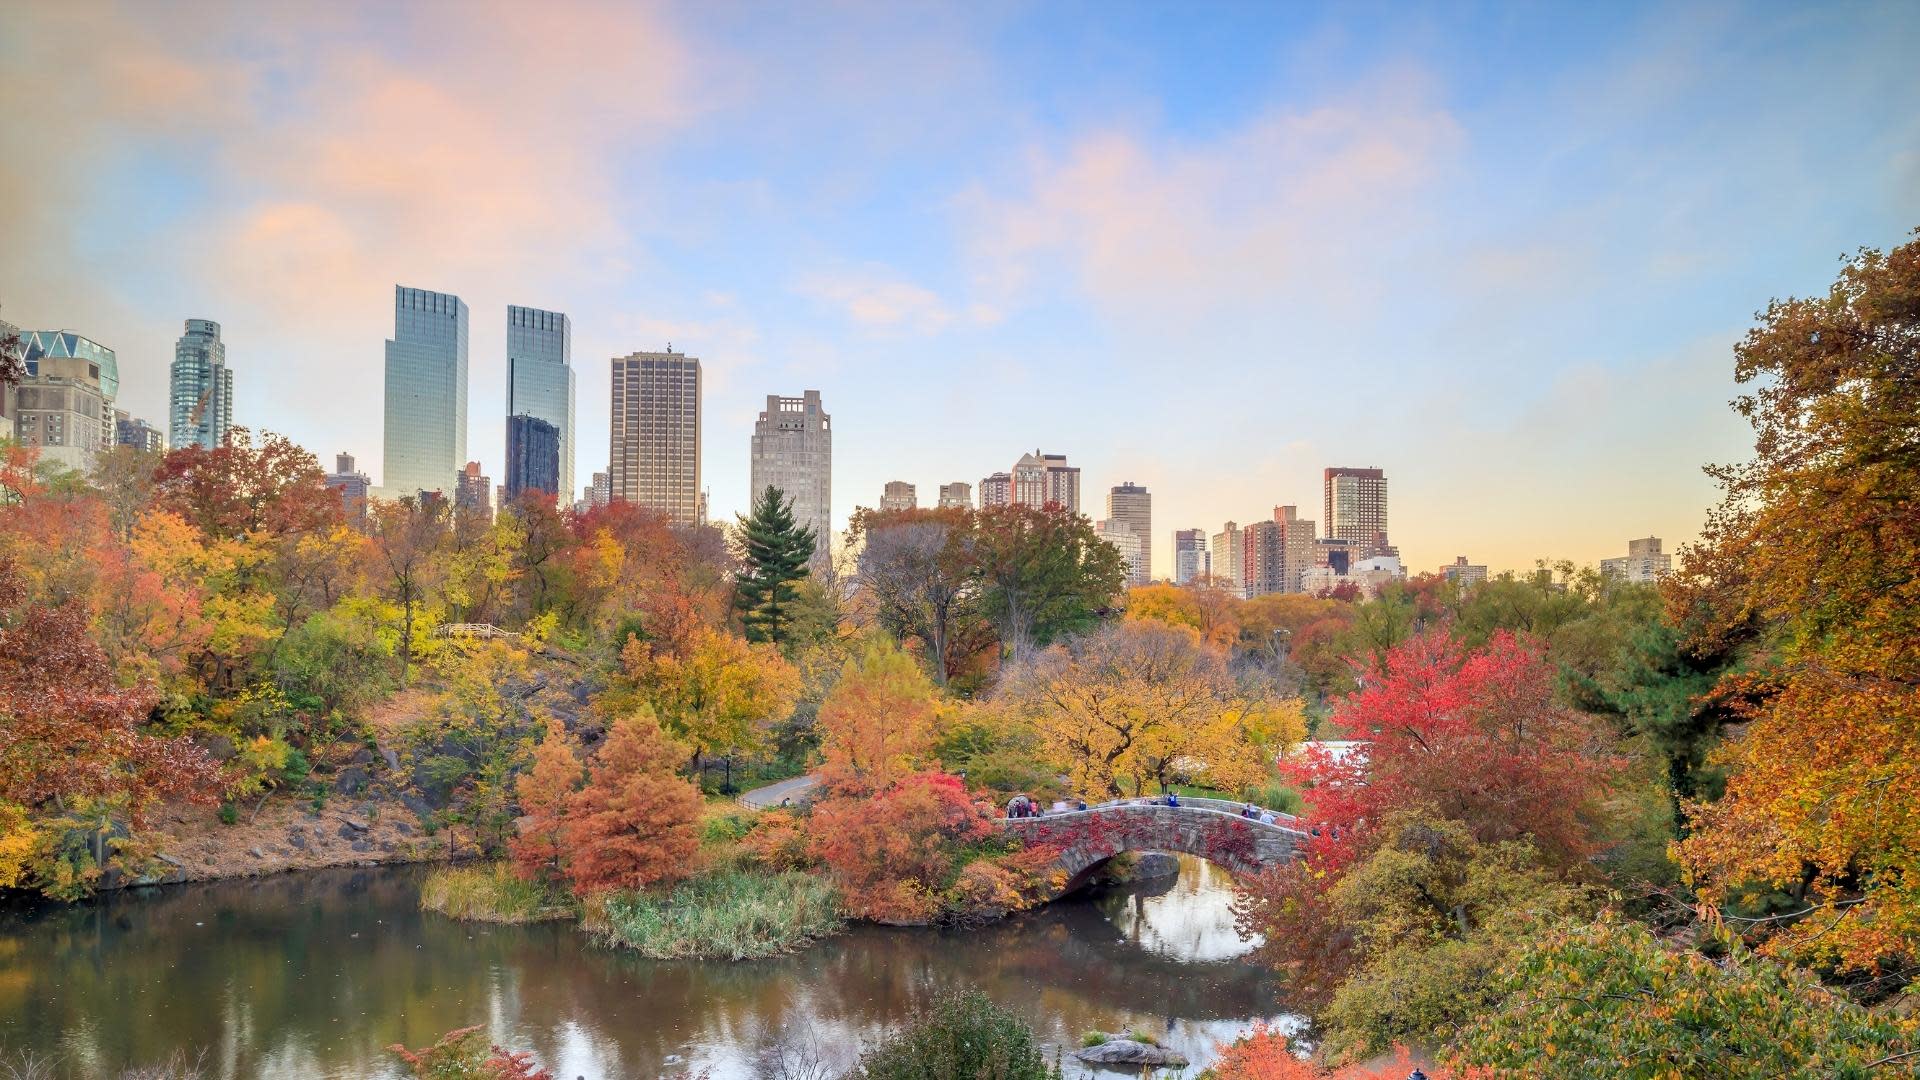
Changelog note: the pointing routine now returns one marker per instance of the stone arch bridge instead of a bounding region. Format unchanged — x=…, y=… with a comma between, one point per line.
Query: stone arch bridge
x=1211, y=829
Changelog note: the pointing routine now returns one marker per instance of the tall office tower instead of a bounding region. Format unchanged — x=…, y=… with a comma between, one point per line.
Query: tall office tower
x=1130, y=545
x=130, y=430
x=64, y=407
x=899, y=495
x=533, y=457
x=1278, y=552
x=352, y=484
x=1042, y=480
x=473, y=493
x=996, y=490
x=1190, y=556
x=426, y=436
x=200, y=388
x=956, y=496
x=1130, y=504
x=540, y=379
x=1228, y=559
x=655, y=459
x=793, y=451
x=1356, y=509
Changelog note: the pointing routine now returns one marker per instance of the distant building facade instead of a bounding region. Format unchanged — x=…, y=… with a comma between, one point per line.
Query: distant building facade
x=655, y=458
x=1463, y=573
x=473, y=492
x=1228, y=559
x=996, y=490
x=352, y=486
x=1191, y=559
x=1277, y=553
x=793, y=451
x=1643, y=563
x=64, y=406
x=426, y=391
x=598, y=493
x=1132, y=505
x=130, y=430
x=540, y=381
x=1356, y=509
x=199, y=388
x=956, y=496
x=899, y=495
x=1130, y=545
x=1042, y=480
x=533, y=457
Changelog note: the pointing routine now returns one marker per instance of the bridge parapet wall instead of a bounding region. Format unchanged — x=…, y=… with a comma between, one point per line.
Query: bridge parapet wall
x=1089, y=837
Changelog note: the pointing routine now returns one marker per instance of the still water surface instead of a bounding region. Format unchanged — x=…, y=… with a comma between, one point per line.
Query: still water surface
x=312, y=975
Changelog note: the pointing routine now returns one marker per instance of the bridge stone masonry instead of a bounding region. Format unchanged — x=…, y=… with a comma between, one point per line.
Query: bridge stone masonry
x=1211, y=829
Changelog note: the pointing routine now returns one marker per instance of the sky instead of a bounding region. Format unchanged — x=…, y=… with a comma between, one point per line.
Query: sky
x=1501, y=251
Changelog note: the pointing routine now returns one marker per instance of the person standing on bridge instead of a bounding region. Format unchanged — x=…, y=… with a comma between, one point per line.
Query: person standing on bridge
x=1173, y=798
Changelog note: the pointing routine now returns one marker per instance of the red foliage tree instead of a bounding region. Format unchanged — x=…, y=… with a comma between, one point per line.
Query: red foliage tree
x=636, y=823
x=239, y=488
x=66, y=729
x=892, y=855
x=1267, y=1054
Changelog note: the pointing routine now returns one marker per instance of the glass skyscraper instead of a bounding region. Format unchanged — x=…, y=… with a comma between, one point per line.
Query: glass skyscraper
x=200, y=397
x=533, y=457
x=426, y=434
x=540, y=376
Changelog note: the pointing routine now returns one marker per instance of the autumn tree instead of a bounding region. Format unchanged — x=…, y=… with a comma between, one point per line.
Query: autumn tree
x=635, y=823
x=893, y=855
x=238, y=488
x=877, y=724
x=1042, y=574
x=1815, y=551
x=405, y=539
x=718, y=696
x=774, y=551
x=1140, y=700
x=916, y=570
x=545, y=792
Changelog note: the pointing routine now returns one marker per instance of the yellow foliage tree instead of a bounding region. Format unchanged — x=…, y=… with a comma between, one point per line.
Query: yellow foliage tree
x=877, y=723
x=719, y=696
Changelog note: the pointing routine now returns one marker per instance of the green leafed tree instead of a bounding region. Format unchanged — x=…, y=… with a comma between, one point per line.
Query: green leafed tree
x=775, y=551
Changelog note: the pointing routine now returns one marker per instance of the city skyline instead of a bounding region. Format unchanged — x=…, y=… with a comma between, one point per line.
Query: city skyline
x=1141, y=224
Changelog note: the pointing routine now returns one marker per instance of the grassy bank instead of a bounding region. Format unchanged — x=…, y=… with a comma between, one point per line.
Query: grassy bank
x=491, y=893
x=728, y=915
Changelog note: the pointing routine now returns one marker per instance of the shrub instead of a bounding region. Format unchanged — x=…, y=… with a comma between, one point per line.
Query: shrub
x=1266, y=1054
x=777, y=842
x=723, y=915
x=465, y=1054
x=490, y=894
x=962, y=1036
x=893, y=856
x=1094, y=1038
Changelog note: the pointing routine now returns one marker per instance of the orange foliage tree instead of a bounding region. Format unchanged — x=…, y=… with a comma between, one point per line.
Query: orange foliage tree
x=894, y=855
x=1267, y=1054
x=877, y=724
x=1816, y=552
x=636, y=822
x=545, y=791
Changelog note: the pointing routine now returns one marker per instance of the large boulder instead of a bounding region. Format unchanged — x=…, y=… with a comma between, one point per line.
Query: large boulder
x=1128, y=1052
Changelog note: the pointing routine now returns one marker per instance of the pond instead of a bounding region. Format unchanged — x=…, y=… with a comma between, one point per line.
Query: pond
x=314, y=974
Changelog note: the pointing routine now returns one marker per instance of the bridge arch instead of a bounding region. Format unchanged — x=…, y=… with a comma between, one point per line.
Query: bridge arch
x=1208, y=828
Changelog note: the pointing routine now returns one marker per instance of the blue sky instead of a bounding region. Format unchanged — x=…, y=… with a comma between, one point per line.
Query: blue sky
x=1502, y=251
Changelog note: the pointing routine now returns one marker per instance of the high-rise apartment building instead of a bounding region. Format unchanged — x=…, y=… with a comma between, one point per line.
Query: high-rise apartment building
x=1131, y=546
x=352, y=484
x=793, y=451
x=899, y=495
x=199, y=388
x=1191, y=559
x=655, y=459
x=1131, y=505
x=540, y=379
x=956, y=496
x=1278, y=552
x=1043, y=480
x=1356, y=509
x=130, y=430
x=533, y=457
x=598, y=493
x=64, y=406
x=426, y=391
x=1229, y=557
x=473, y=493
x=996, y=490
x=1463, y=573
x=1644, y=562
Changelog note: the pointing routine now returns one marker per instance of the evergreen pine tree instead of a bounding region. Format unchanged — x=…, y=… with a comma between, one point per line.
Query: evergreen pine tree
x=776, y=550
